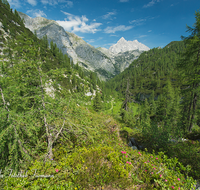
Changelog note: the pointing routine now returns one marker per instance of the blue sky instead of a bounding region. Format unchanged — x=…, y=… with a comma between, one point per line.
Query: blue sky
x=102, y=23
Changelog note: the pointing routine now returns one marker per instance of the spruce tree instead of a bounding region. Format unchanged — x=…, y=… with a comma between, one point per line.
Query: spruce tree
x=29, y=115
x=97, y=104
x=153, y=105
x=189, y=68
x=5, y=24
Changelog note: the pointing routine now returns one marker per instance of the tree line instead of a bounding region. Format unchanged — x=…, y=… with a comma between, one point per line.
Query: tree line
x=165, y=82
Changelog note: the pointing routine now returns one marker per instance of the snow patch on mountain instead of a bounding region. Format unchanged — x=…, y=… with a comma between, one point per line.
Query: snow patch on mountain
x=122, y=46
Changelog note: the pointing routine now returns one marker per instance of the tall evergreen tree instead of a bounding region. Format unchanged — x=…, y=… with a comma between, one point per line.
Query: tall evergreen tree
x=5, y=24
x=26, y=117
x=189, y=67
x=127, y=97
x=153, y=105
x=97, y=104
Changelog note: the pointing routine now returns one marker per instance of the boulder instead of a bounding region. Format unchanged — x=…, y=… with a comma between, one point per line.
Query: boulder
x=134, y=144
x=130, y=144
x=134, y=148
x=178, y=140
x=173, y=140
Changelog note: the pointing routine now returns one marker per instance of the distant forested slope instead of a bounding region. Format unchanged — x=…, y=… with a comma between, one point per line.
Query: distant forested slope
x=150, y=71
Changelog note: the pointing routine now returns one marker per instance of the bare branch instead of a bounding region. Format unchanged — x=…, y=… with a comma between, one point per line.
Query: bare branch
x=4, y=102
x=59, y=130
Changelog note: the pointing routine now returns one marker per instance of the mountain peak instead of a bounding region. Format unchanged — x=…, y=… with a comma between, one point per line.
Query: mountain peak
x=122, y=46
x=122, y=40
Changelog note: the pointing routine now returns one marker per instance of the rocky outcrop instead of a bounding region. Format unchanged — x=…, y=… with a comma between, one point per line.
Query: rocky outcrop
x=107, y=63
x=134, y=144
x=123, y=46
x=121, y=60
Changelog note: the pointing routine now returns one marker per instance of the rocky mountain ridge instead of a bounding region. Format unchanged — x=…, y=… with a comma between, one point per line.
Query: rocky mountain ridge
x=123, y=46
x=105, y=62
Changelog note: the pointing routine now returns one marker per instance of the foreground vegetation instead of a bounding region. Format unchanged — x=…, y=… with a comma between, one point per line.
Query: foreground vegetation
x=53, y=136
x=101, y=159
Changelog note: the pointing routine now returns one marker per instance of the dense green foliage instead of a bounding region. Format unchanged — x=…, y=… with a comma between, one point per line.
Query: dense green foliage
x=150, y=71
x=163, y=77
x=97, y=104
x=35, y=79
x=73, y=141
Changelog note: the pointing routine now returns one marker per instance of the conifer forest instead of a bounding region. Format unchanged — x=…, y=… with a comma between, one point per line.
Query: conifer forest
x=61, y=127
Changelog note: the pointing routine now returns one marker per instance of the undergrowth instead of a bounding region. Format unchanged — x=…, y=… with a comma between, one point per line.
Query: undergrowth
x=95, y=156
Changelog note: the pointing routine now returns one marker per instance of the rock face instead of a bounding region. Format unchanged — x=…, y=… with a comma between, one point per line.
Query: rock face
x=107, y=63
x=123, y=46
x=134, y=144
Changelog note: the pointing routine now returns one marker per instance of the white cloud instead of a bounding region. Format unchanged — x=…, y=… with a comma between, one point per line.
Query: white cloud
x=108, y=15
x=36, y=13
x=174, y=4
x=32, y=2
x=117, y=28
x=100, y=38
x=78, y=24
x=114, y=35
x=44, y=2
x=55, y=2
x=139, y=21
x=151, y=3
x=68, y=4
x=123, y=1
x=142, y=36
x=90, y=41
x=107, y=45
x=150, y=31
x=14, y=3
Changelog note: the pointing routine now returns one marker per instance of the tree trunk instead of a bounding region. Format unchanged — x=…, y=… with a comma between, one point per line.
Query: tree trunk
x=193, y=113
x=50, y=145
x=49, y=135
x=190, y=106
x=194, y=101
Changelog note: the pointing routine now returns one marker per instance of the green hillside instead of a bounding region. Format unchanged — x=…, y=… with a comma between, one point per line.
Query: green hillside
x=62, y=128
x=150, y=71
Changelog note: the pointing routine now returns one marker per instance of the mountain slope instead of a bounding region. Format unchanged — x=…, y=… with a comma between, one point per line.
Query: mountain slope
x=36, y=84
x=104, y=62
x=59, y=141
x=123, y=46
x=149, y=72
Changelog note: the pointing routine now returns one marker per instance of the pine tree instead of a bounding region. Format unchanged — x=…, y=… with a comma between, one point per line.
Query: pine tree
x=27, y=112
x=5, y=25
x=153, y=105
x=189, y=67
x=97, y=104
x=6, y=3
x=127, y=97
x=74, y=83
x=93, y=80
x=135, y=83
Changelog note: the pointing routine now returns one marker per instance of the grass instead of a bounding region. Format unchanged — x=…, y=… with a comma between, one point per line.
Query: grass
x=116, y=107
x=99, y=158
